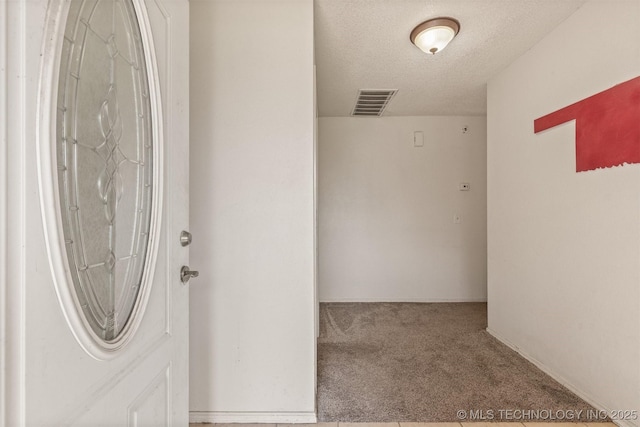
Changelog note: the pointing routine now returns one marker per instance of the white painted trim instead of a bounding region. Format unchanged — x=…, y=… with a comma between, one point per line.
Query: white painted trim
x=411, y=300
x=12, y=212
x=253, y=417
x=4, y=226
x=587, y=397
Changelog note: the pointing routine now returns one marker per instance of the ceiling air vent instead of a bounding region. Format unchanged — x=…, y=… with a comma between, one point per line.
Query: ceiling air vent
x=372, y=102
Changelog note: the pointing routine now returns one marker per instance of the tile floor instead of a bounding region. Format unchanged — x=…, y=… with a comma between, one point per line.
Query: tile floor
x=526, y=424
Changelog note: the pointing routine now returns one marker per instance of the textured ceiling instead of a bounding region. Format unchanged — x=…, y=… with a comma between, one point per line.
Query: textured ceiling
x=364, y=44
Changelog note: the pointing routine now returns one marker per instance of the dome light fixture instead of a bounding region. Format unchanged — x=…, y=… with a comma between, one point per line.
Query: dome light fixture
x=435, y=34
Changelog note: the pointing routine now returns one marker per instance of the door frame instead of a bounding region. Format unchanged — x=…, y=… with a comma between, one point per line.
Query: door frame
x=12, y=257
x=3, y=210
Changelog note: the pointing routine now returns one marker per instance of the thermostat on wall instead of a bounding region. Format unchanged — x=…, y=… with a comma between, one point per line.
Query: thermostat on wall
x=465, y=186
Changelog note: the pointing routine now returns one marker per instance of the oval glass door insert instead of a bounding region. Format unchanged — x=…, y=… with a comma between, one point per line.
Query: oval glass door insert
x=105, y=160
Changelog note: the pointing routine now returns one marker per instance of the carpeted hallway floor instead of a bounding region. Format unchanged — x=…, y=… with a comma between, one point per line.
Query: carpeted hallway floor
x=381, y=362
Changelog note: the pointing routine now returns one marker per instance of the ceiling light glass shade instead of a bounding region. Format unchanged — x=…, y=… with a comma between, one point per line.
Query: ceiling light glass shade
x=435, y=34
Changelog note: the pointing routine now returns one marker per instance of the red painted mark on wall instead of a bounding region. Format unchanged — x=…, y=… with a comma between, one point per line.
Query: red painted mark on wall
x=607, y=126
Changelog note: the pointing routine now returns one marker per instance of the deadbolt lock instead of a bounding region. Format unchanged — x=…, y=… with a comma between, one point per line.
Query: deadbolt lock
x=185, y=238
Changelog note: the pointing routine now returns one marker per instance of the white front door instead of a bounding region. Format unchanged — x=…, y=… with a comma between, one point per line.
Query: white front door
x=94, y=198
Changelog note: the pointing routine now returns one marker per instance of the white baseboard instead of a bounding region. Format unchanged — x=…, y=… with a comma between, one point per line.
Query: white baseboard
x=253, y=417
x=587, y=397
x=412, y=300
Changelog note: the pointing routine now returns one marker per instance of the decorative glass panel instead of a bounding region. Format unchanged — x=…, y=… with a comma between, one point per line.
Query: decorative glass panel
x=104, y=149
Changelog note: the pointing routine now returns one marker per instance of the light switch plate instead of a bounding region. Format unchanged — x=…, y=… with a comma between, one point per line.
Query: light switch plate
x=418, y=139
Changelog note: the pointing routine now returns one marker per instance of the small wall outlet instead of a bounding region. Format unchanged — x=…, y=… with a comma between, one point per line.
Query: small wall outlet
x=465, y=186
x=418, y=139
x=457, y=219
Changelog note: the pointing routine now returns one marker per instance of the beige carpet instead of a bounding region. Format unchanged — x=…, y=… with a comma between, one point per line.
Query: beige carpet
x=383, y=362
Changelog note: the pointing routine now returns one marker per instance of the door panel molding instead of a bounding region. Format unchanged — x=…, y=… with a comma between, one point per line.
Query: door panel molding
x=101, y=389
x=162, y=379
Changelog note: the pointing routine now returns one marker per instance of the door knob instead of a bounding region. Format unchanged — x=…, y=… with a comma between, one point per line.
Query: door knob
x=186, y=274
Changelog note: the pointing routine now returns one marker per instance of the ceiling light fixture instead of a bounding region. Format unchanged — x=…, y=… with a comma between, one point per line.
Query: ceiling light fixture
x=435, y=34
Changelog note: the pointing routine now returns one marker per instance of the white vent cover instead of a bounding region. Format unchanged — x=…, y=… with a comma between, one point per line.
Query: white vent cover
x=372, y=102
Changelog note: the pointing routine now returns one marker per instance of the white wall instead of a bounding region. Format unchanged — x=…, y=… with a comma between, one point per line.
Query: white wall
x=386, y=208
x=252, y=308
x=564, y=252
